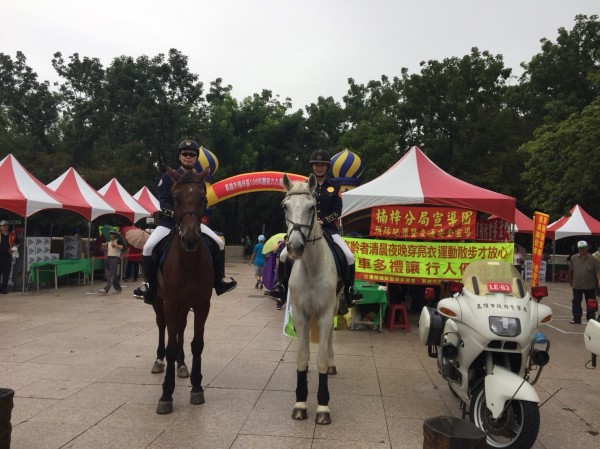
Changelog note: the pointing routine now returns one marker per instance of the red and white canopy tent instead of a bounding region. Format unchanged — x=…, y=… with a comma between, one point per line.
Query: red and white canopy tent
x=123, y=203
x=415, y=179
x=147, y=200
x=24, y=195
x=72, y=186
x=576, y=222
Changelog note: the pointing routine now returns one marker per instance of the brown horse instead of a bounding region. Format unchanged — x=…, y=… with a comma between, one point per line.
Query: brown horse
x=185, y=281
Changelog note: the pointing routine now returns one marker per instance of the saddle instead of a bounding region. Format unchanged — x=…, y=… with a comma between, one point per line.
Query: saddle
x=159, y=252
x=341, y=263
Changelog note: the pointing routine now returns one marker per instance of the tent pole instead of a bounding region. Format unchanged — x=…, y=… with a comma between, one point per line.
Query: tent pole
x=553, y=260
x=25, y=250
x=90, y=257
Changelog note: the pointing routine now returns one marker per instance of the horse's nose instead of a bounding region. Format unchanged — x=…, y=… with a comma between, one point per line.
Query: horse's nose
x=295, y=251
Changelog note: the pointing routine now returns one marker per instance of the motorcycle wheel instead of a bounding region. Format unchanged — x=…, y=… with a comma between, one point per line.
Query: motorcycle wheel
x=516, y=428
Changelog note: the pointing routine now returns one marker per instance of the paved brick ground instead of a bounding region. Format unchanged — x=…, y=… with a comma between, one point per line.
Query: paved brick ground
x=80, y=366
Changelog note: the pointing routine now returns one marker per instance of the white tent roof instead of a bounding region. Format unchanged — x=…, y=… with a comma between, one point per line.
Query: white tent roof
x=415, y=179
x=22, y=193
x=123, y=203
x=71, y=185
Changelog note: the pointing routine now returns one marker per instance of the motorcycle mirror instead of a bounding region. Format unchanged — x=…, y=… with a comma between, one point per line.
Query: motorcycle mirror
x=539, y=292
x=455, y=287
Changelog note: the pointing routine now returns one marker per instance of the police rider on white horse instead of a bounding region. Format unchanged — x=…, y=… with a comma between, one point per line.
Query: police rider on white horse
x=329, y=209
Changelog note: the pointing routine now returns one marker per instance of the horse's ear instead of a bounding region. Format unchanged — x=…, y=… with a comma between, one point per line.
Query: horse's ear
x=312, y=183
x=287, y=184
x=173, y=174
x=204, y=173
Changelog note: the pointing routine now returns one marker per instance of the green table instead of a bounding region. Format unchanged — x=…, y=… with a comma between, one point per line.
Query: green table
x=53, y=269
x=372, y=294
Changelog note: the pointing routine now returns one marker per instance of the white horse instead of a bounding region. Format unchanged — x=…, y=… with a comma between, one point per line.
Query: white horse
x=312, y=287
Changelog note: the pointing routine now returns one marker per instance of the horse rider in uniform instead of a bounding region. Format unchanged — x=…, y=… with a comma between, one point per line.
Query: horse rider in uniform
x=329, y=209
x=188, y=155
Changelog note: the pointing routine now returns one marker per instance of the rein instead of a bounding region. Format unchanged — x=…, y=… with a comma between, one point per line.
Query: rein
x=180, y=217
x=298, y=226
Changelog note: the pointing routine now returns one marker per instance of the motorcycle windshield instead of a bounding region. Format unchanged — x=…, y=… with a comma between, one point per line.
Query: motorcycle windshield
x=486, y=277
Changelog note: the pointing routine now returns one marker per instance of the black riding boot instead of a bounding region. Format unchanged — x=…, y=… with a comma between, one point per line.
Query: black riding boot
x=220, y=285
x=280, y=291
x=148, y=289
x=354, y=294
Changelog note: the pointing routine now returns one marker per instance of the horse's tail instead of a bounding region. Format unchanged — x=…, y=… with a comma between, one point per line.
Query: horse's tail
x=314, y=330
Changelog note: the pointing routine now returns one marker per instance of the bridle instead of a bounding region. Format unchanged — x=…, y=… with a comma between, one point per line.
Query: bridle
x=198, y=215
x=299, y=226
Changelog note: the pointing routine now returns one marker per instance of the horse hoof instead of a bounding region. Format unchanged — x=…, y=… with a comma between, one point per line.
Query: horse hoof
x=183, y=372
x=331, y=370
x=197, y=398
x=300, y=414
x=323, y=418
x=164, y=407
x=158, y=367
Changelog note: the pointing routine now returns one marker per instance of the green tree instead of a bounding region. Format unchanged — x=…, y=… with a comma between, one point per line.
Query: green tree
x=564, y=162
x=457, y=112
x=559, y=80
x=28, y=110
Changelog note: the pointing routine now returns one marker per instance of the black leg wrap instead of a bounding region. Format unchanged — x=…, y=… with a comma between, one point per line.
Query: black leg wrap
x=301, y=386
x=323, y=392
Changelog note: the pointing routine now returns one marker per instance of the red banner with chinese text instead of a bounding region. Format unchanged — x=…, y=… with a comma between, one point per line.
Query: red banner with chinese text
x=540, y=223
x=495, y=229
x=407, y=262
x=422, y=222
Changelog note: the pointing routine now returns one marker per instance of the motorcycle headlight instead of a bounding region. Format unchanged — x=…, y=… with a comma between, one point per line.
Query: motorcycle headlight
x=504, y=326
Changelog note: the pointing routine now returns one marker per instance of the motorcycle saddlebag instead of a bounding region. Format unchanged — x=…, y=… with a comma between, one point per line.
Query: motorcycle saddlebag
x=431, y=325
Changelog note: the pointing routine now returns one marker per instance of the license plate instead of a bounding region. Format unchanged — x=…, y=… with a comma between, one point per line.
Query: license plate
x=501, y=287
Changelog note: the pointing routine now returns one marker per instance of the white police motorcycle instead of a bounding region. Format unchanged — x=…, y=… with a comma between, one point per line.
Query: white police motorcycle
x=591, y=336
x=487, y=347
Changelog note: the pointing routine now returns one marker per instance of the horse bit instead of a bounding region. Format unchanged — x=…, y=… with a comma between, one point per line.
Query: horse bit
x=190, y=212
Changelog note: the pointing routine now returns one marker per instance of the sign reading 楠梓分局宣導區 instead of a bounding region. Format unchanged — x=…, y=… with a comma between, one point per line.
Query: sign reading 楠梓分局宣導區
x=422, y=222
x=420, y=262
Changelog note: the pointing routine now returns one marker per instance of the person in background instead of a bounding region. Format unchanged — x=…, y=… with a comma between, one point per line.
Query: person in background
x=518, y=260
x=7, y=241
x=134, y=259
x=113, y=259
x=258, y=258
x=248, y=247
x=584, y=277
x=280, y=290
x=189, y=151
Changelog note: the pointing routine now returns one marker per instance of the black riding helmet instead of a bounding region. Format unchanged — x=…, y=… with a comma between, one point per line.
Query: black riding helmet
x=189, y=145
x=320, y=157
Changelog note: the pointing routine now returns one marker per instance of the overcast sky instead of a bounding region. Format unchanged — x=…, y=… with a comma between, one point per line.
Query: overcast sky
x=297, y=49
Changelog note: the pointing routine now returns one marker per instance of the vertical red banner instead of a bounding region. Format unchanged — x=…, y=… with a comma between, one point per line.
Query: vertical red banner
x=540, y=222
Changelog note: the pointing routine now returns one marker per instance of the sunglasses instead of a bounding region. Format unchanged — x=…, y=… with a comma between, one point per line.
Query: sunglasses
x=188, y=154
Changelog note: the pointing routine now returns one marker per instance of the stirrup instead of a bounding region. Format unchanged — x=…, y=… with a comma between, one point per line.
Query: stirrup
x=278, y=293
x=354, y=295
x=141, y=290
x=224, y=287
